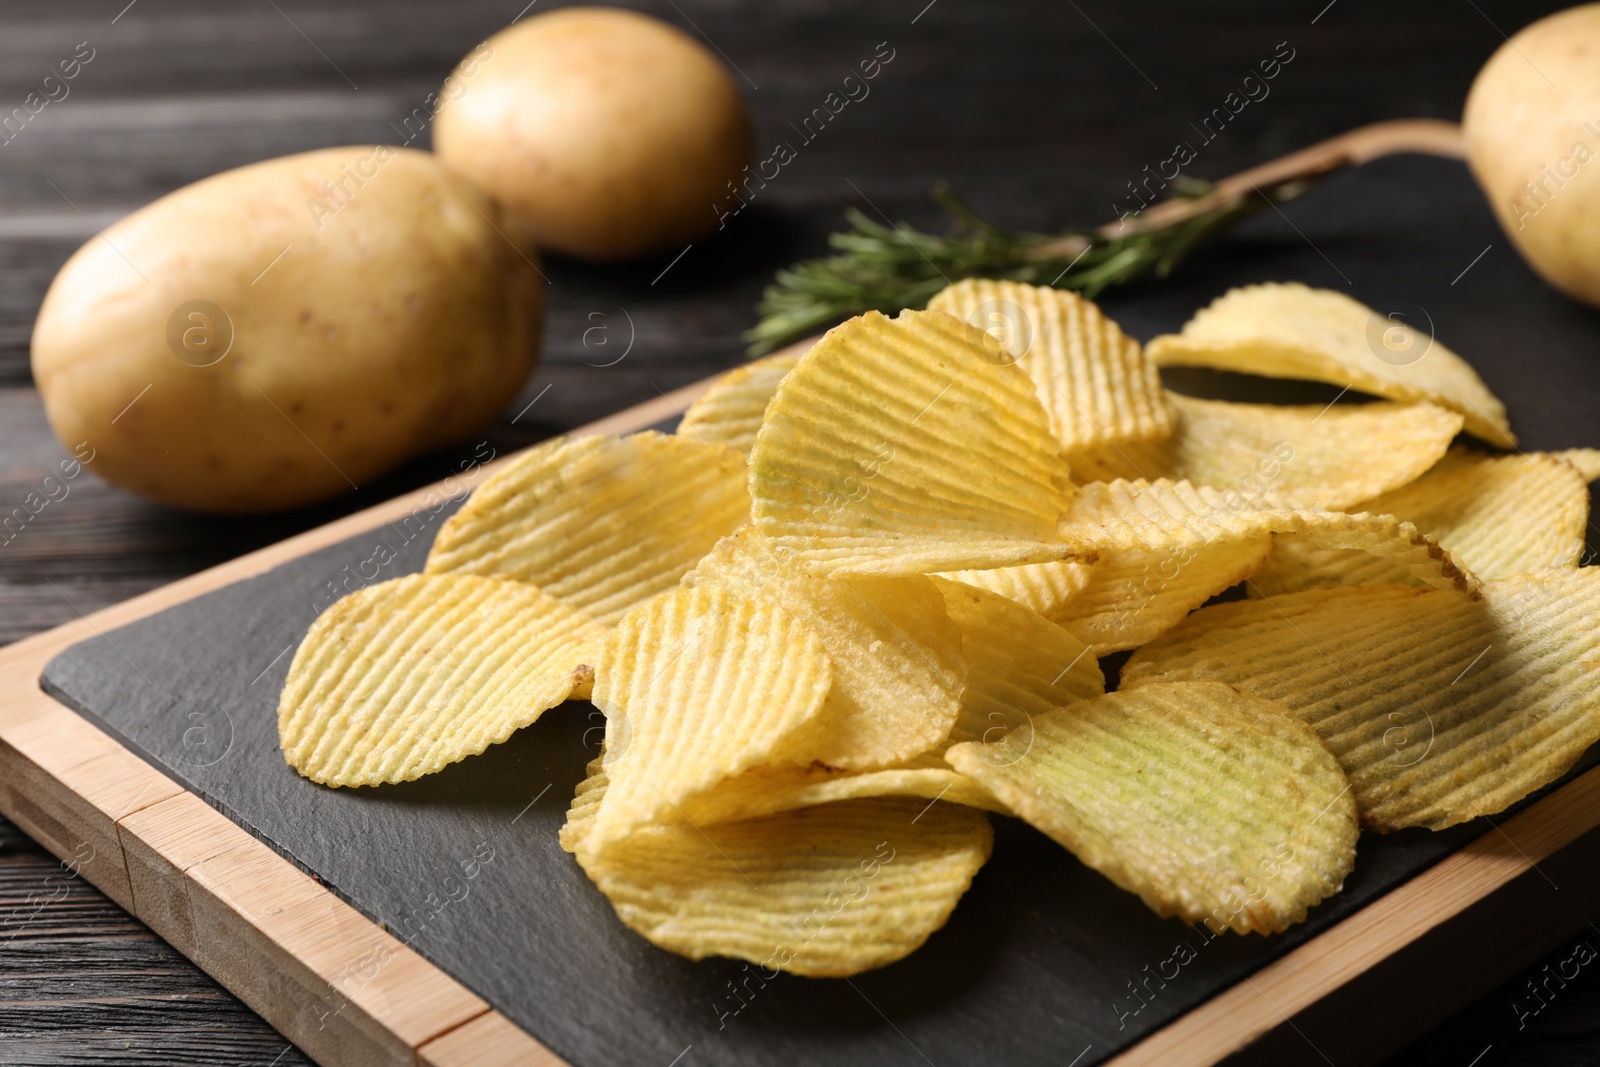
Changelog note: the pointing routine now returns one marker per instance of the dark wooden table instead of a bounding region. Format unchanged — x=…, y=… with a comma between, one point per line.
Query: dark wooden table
x=1068, y=104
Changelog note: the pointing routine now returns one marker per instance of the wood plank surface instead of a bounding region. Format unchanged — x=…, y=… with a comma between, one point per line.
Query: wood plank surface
x=1038, y=111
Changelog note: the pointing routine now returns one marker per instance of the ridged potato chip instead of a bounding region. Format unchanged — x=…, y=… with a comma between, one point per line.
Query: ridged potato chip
x=1587, y=460
x=898, y=668
x=826, y=891
x=1440, y=709
x=603, y=523
x=1129, y=596
x=729, y=413
x=906, y=446
x=403, y=678
x=1019, y=665
x=769, y=790
x=1044, y=587
x=1093, y=379
x=1168, y=517
x=1328, y=457
x=697, y=686
x=1498, y=515
x=1209, y=803
x=585, y=802
x=1136, y=596
x=1287, y=330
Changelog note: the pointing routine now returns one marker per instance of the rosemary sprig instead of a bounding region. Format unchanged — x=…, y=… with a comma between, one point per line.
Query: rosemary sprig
x=886, y=268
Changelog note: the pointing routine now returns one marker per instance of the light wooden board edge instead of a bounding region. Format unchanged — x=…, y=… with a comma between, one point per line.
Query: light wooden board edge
x=350, y=995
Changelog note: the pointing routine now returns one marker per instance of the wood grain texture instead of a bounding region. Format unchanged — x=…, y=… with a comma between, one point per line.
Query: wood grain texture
x=82, y=982
x=490, y=1040
x=1043, y=125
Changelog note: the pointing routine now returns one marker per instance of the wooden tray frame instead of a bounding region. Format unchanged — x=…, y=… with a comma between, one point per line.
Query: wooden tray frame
x=351, y=995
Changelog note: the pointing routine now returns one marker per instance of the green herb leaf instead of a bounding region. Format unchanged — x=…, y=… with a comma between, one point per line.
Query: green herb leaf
x=886, y=268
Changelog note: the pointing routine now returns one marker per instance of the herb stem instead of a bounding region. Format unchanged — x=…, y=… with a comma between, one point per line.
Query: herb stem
x=885, y=268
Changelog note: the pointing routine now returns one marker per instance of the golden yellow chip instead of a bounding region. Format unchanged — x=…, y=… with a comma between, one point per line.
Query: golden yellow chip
x=1587, y=460
x=406, y=677
x=906, y=446
x=729, y=413
x=1129, y=596
x=1093, y=379
x=1136, y=596
x=898, y=669
x=699, y=685
x=1209, y=803
x=1019, y=665
x=1286, y=330
x=768, y=790
x=585, y=802
x=1498, y=515
x=1440, y=709
x=1328, y=457
x=1171, y=517
x=603, y=523
x=827, y=891
x=1044, y=587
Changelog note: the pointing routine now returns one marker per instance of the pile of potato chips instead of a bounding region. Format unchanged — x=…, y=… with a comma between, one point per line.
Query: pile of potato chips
x=857, y=603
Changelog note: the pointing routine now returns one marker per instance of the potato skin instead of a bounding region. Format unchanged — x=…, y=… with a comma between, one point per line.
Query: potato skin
x=607, y=134
x=397, y=321
x=1534, y=146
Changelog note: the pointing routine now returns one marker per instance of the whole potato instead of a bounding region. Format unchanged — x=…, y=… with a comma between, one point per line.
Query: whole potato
x=1532, y=125
x=281, y=333
x=607, y=134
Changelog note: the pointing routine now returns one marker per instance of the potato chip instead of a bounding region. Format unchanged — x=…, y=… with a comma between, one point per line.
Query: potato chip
x=699, y=685
x=1170, y=517
x=729, y=413
x=768, y=790
x=585, y=802
x=1587, y=460
x=1130, y=596
x=1044, y=587
x=1093, y=379
x=898, y=669
x=603, y=523
x=906, y=446
x=1019, y=665
x=1136, y=596
x=826, y=891
x=403, y=678
x=1318, y=456
x=1498, y=515
x=1209, y=803
x=1286, y=330
x=1440, y=709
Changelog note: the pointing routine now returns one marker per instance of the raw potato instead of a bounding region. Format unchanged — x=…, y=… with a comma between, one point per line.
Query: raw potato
x=608, y=135
x=360, y=334
x=1533, y=133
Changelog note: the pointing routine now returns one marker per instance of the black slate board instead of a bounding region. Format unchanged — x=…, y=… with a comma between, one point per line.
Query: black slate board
x=1039, y=961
